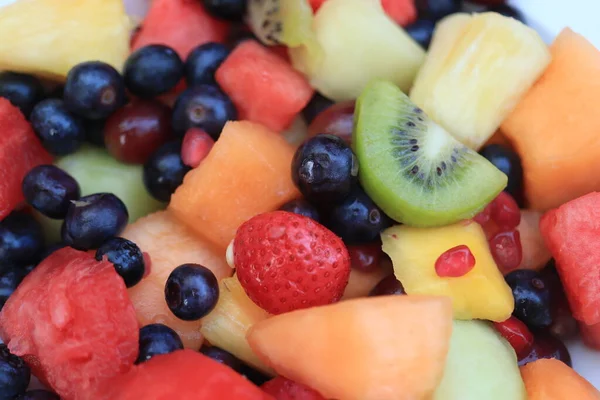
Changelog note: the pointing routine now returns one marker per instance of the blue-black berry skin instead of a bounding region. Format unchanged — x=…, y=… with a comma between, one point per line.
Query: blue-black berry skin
x=317, y=104
x=60, y=131
x=437, y=9
x=10, y=278
x=421, y=31
x=153, y=70
x=230, y=10
x=157, y=339
x=39, y=394
x=93, y=219
x=202, y=63
x=22, y=90
x=532, y=298
x=164, y=171
x=301, y=207
x=191, y=291
x=127, y=258
x=507, y=161
x=21, y=239
x=222, y=356
x=14, y=375
x=50, y=190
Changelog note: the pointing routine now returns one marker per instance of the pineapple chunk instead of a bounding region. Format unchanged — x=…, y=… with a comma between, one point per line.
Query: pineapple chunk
x=482, y=293
x=226, y=326
x=48, y=37
x=477, y=69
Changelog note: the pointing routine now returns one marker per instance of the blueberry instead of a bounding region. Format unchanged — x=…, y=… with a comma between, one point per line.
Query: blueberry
x=50, y=190
x=152, y=70
x=191, y=291
x=222, y=356
x=127, y=258
x=301, y=207
x=94, y=131
x=164, y=171
x=93, y=219
x=437, y=9
x=317, y=104
x=157, y=339
x=94, y=90
x=21, y=239
x=22, y=90
x=202, y=63
x=507, y=11
x=14, y=374
x=60, y=131
x=51, y=249
x=532, y=298
x=357, y=219
x=387, y=286
x=324, y=169
x=231, y=10
x=507, y=161
x=39, y=395
x=205, y=107
x=253, y=375
x=10, y=278
x=421, y=31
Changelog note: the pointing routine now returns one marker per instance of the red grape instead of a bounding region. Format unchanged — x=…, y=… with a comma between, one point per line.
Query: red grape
x=365, y=258
x=387, y=286
x=135, y=131
x=337, y=119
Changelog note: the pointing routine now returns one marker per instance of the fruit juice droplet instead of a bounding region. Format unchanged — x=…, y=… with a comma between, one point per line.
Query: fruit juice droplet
x=455, y=262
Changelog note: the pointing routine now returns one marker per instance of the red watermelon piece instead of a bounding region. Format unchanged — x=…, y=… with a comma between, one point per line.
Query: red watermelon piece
x=72, y=321
x=403, y=12
x=263, y=86
x=20, y=150
x=180, y=24
x=572, y=234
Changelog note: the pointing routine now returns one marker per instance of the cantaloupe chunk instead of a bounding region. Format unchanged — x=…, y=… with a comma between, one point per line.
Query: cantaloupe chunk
x=378, y=348
x=246, y=173
x=169, y=244
x=555, y=128
x=550, y=379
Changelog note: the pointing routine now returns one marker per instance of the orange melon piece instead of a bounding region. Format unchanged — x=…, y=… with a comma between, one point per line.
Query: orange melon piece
x=555, y=126
x=246, y=173
x=377, y=348
x=535, y=253
x=169, y=244
x=550, y=379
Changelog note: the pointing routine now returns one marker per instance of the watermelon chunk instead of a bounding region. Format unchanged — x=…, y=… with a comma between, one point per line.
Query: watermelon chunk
x=263, y=86
x=73, y=323
x=20, y=150
x=180, y=24
x=571, y=233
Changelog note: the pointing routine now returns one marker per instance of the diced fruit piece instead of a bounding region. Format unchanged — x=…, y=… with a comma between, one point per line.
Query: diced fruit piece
x=403, y=12
x=226, y=326
x=392, y=347
x=517, y=334
x=476, y=71
x=480, y=365
x=549, y=379
x=571, y=233
x=263, y=87
x=560, y=167
x=179, y=24
x=535, y=253
x=48, y=38
x=337, y=120
x=195, y=147
x=360, y=283
x=480, y=294
x=359, y=43
x=19, y=139
x=73, y=323
x=169, y=244
x=547, y=346
x=246, y=173
x=412, y=168
x=508, y=161
x=284, y=389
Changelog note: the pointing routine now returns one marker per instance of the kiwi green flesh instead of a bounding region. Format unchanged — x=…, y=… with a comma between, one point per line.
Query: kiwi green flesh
x=412, y=168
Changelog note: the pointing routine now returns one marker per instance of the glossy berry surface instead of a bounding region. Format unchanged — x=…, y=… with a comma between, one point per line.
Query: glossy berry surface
x=93, y=219
x=137, y=130
x=509, y=162
x=10, y=278
x=127, y=258
x=437, y=9
x=357, y=219
x=50, y=190
x=365, y=257
x=532, y=298
x=455, y=262
x=301, y=207
x=286, y=389
x=231, y=10
x=222, y=356
x=388, y=286
x=191, y=291
x=205, y=107
x=324, y=168
x=164, y=171
x=60, y=131
x=563, y=326
x=517, y=334
x=22, y=90
x=202, y=63
x=195, y=147
x=14, y=374
x=336, y=120
x=286, y=261
x=507, y=250
x=421, y=31
x=157, y=339
x=152, y=70
x=94, y=90
x=21, y=239
x=547, y=346
x=317, y=104
x=39, y=394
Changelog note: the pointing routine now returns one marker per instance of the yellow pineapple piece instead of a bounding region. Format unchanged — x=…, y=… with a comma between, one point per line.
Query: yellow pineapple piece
x=226, y=326
x=477, y=69
x=482, y=293
x=48, y=37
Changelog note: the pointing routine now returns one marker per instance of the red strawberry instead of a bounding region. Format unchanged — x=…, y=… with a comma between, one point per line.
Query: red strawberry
x=286, y=261
x=284, y=389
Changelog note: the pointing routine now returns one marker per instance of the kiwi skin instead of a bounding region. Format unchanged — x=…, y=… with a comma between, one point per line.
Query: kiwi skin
x=417, y=197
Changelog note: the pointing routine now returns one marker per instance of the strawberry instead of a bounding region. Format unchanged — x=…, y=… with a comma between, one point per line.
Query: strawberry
x=284, y=389
x=286, y=261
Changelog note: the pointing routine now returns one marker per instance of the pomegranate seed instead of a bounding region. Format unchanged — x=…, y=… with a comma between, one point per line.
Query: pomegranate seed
x=506, y=250
x=456, y=262
x=505, y=212
x=196, y=146
x=366, y=257
x=517, y=334
x=484, y=216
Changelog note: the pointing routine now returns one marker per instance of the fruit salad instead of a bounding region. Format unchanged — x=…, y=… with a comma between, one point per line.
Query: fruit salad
x=295, y=200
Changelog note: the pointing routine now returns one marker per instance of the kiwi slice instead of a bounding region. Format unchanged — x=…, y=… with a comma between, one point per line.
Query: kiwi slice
x=412, y=168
